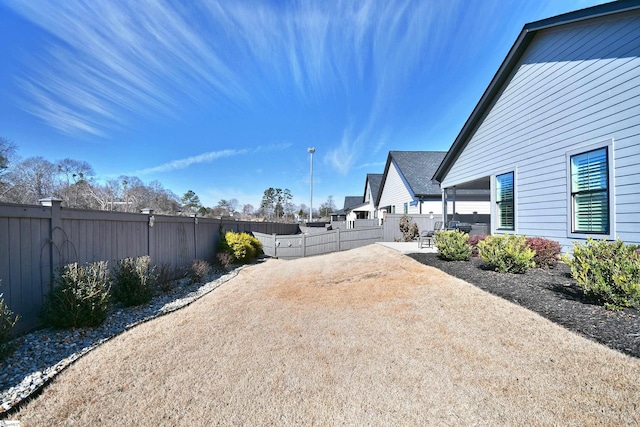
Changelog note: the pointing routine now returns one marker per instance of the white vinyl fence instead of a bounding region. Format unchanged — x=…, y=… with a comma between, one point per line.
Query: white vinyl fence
x=303, y=245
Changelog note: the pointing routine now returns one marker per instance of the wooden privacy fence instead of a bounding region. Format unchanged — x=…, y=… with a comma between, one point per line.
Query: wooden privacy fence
x=36, y=240
x=303, y=245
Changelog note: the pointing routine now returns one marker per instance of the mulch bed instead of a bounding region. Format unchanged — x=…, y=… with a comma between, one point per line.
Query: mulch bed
x=554, y=294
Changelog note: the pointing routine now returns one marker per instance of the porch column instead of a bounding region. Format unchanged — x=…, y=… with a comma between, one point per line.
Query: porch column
x=444, y=206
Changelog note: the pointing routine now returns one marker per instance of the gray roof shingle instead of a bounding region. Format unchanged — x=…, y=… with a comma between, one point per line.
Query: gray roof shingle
x=418, y=168
x=375, y=179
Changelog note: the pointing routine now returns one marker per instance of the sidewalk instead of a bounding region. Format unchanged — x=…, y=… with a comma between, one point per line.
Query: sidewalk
x=408, y=247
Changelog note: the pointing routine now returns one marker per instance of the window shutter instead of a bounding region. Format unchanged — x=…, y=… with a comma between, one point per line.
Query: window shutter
x=589, y=182
x=505, y=202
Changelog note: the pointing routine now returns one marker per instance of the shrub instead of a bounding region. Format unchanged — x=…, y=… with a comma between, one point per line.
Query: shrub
x=607, y=271
x=409, y=229
x=507, y=253
x=80, y=296
x=225, y=259
x=547, y=251
x=242, y=247
x=164, y=276
x=452, y=245
x=7, y=321
x=134, y=280
x=199, y=270
x=473, y=242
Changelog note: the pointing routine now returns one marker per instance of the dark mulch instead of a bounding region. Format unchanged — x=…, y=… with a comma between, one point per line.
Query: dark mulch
x=554, y=294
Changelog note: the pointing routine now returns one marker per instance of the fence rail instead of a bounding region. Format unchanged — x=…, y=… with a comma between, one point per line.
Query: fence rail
x=36, y=240
x=303, y=245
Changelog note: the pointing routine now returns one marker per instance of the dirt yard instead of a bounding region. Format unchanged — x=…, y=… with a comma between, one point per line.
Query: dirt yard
x=364, y=337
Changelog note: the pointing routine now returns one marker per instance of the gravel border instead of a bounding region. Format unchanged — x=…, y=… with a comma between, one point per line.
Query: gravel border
x=44, y=353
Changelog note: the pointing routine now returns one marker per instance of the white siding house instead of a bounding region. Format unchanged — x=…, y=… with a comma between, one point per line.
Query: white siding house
x=556, y=135
x=407, y=186
x=366, y=209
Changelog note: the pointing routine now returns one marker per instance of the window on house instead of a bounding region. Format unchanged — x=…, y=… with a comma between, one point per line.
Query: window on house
x=406, y=208
x=590, y=192
x=505, y=212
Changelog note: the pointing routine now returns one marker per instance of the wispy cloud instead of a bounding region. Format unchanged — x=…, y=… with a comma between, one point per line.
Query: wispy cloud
x=189, y=161
x=109, y=62
x=209, y=157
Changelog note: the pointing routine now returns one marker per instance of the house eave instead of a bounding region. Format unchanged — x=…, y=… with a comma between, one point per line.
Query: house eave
x=508, y=64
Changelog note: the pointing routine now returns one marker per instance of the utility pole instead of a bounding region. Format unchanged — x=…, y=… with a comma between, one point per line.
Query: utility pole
x=311, y=151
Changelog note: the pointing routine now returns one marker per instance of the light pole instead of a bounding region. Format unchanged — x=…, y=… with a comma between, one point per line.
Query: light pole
x=311, y=151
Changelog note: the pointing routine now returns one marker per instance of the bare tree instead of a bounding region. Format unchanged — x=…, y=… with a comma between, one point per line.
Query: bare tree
x=248, y=210
x=7, y=153
x=74, y=178
x=30, y=180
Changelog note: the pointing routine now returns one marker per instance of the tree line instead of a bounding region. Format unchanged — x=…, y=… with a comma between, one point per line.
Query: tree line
x=74, y=182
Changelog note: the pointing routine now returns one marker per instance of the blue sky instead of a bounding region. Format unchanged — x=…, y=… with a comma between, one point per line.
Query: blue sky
x=225, y=97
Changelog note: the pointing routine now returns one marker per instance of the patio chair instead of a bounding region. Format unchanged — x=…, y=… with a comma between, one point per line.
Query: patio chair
x=426, y=236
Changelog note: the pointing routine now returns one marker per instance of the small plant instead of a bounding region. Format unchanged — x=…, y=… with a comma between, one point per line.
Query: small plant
x=452, y=245
x=507, y=253
x=225, y=259
x=134, y=280
x=164, y=275
x=547, y=251
x=607, y=271
x=242, y=247
x=80, y=296
x=473, y=242
x=199, y=270
x=7, y=322
x=408, y=228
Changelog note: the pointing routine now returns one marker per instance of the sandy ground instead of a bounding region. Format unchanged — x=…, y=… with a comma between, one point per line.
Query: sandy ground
x=363, y=337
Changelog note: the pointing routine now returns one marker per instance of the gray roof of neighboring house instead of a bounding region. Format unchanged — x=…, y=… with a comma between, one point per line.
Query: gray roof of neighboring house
x=511, y=61
x=374, y=179
x=351, y=201
x=417, y=168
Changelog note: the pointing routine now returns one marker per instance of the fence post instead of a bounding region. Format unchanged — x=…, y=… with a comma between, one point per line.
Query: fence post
x=56, y=223
x=304, y=245
x=275, y=246
x=338, y=238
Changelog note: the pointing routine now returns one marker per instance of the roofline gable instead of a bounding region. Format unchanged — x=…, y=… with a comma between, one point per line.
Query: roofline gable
x=508, y=64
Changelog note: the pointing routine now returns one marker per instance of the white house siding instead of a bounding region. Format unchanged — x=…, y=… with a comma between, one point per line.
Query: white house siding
x=576, y=85
x=395, y=191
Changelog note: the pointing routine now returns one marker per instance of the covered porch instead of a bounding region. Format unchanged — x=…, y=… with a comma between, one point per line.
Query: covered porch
x=468, y=203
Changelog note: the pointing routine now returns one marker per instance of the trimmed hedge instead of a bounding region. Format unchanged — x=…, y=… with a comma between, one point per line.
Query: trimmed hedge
x=607, y=271
x=242, y=247
x=507, y=253
x=452, y=245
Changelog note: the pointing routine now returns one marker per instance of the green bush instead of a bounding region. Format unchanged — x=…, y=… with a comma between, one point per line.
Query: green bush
x=134, y=281
x=243, y=247
x=7, y=321
x=199, y=270
x=452, y=245
x=80, y=296
x=547, y=251
x=607, y=271
x=507, y=253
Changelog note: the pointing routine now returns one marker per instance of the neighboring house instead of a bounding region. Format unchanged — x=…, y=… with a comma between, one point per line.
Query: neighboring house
x=349, y=202
x=407, y=186
x=366, y=208
x=556, y=135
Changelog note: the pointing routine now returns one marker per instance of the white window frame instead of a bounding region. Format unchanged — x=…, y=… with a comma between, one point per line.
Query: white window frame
x=494, y=202
x=609, y=145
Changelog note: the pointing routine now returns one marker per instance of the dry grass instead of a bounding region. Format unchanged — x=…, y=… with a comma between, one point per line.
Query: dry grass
x=364, y=337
